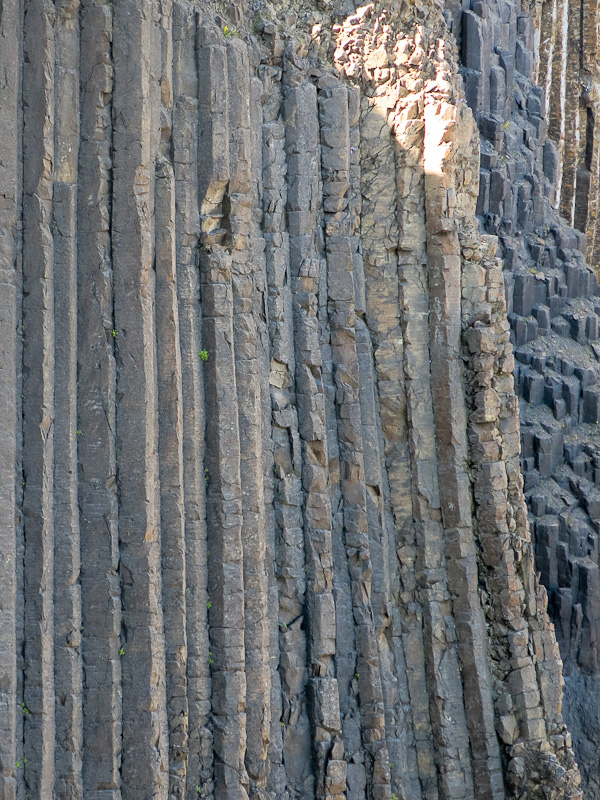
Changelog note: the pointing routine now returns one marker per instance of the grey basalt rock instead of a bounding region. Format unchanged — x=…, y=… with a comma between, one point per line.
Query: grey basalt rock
x=536, y=183
x=263, y=521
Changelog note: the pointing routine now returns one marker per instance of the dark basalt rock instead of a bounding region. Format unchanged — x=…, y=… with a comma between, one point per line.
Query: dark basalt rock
x=265, y=448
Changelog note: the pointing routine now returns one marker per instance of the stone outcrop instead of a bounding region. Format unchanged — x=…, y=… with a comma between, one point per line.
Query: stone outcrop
x=531, y=79
x=264, y=530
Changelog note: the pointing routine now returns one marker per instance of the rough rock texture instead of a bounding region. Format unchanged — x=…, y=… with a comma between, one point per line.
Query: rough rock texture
x=531, y=79
x=264, y=532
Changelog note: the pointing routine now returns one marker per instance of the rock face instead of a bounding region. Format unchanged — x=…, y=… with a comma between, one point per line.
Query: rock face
x=263, y=521
x=531, y=78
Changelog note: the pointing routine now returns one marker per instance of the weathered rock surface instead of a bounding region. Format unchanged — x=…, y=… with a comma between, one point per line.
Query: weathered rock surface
x=264, y=530
x=531, y=79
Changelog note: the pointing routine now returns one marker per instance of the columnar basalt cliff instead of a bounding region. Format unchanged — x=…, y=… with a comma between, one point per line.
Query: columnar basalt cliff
x=531, y=79
x=264, y=530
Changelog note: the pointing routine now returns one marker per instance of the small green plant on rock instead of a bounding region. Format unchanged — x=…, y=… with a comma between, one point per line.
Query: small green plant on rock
x=229, y=32
x=121, y=651
x=203, y=355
